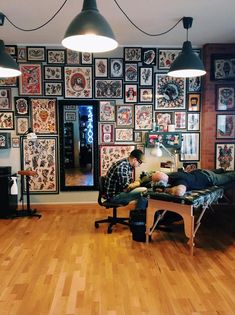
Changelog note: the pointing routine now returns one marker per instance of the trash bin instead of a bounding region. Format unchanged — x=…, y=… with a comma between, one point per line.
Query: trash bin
x=138, y=225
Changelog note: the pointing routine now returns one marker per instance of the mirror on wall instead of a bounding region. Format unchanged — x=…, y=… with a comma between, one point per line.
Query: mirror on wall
x=78, y=145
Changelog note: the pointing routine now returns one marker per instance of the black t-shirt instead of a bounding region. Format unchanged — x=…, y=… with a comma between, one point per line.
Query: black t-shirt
x=192, y=180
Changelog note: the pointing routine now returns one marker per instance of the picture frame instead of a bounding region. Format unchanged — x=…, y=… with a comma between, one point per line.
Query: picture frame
x=70, y=116
x=5, y=140
x=72, y=57
x=164, y=119
x=78, y=82
x=225, y=97
x=56, y=56
x=149, y=56
x=194, y=84
x=194, y=102
x=124, y=116
x=145, y=95
x=9, y=82
x=36, y=53
x=30, y=82
x=180, y=120
x=224, y=156
x=7, y=120
x=168, y=139
x=146, y=76
x=138, y=136
x=44, y=115
x=132, y=54
x=130, y=91
x=190, y=147
x=22, y=125
x=169, y=92
x=11, y=50
x=225, y=126
x=110, y=154
x=15, y=142
x=124, y=135
x=53, y=73
x=106, y=133
x=86, y=58
x=106, y=88
x=143, y=117
x=193, y=121
x=5, y=99
x=42, y=157
x=116, y=68
x=21, y=106
x=53, y=88
x=222, y=67
x=131, y=72
x=101, y=67
x=21, y=54
x=166, y=57
x=107, y=111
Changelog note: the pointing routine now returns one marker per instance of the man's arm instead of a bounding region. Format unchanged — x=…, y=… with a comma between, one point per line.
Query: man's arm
x=178, y=190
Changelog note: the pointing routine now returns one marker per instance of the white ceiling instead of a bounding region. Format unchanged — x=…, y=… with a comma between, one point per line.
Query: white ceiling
x=214, y=21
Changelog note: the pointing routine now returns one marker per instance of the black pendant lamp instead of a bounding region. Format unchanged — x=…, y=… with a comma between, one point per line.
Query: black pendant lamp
x=8, y=66
x=89, y=31
x=187, y=64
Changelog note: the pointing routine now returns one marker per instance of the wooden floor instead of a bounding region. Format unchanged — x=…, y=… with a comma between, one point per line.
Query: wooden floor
x=61, y=265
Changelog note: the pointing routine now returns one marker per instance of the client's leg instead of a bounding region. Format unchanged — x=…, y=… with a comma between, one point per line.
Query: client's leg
x=221, y=179
x=135, y=194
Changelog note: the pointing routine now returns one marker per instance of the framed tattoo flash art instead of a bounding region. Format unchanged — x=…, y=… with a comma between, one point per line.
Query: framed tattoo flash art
x=222, y=67
x=86, y=58
x=15, y=142
x=30, y=82
x=8, y=82
x=124, y=116
x=21, y=54
x=180, y=120
x=6, y=120
x=106, y=133
x=112, y=153
x=143, y=117
x=166, y=58
x=78, y=82
x=108, y=88
x=5, y=99
x=194, y=84
x=131, y=72
x=116, y=68
x=190, y=148
x=53, y=73
x=21, y=106
x=193, y=122
x=70, y=116
x=5, y=140
x=164, y=119
x=194, y=102
x=132, y=54
x=36, y=53
x=146, y=76
x=22, y=125
x=41, y=156
x=44, y=115
x=72, y=57
x=225, y=126
x=56, y=56
x=123, y=135
x=107, y=111
x=53, y=88
x=225, y=97
x=101, y=67
x=146, y=95
x=138, y=136
x=149, y=56
x=170, y=92
x=224, y=156
x=130, y=93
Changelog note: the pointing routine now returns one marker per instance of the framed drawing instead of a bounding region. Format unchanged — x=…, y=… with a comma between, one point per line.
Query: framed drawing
x=70, y=116
x=146, y=95
x=5, y=99
x=21, y=54
x=146, y=76
x=101, y=67
x=44, y=115
x=170, y=92
x=123, y=135
x=78, y=82
x=194, y=102
x=53, y=73
x=116, y=68
x=11, y=50
x=224, y=156
x=112, y=153
x=36, y=53
x=22, y=125
x=107, y=111
x=180, y=120
x=53, y=88
x=30, y=82
x=108, y=88
x=164, y=119
x=130, y=91
x=15, y=142
x=6, y=120
x=72, y=57
x=190, y=147
x=149, y=56
x=124, y=116
x=222, y=67
x=131, y=72
x=5, y=140
x=42, y=157
x=166, y=57
x=138, y=136
x=56, y=56
x=194, y=84
x=9, y=82
x=225, y=97
x=143, y=117
x=106, y=133
x=225, y=126
x=86, y=58
x=132, y=54
x=193, y=122
x=21, y=106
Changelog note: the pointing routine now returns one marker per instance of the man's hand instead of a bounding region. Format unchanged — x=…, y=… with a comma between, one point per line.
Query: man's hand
x=133, y=185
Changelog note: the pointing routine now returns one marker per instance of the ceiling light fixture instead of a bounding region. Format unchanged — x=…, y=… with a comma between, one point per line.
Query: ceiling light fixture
x=188, y=63
x=8, y=66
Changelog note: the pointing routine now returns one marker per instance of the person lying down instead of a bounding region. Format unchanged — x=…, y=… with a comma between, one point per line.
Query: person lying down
x=181, y=181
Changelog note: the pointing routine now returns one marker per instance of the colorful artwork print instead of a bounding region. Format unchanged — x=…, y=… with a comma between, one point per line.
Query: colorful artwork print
x=22, y=125
x=124, y=115
x=223, y=67
x=107, y=110
x=123, y=135
x=21, y=106
x=190, y=147
x=225, y=98
x=225, y=126
x=108, y=88
x=193, y=121
x=166, y=57
x=78, y=82
x=143, y=117
x=132, y=54
x=130, y=93
x=30, y=80
x=41, y=156
x=163, y=119
x=72, y=57
x=5, y=101
x=101, y=67
x=106, y=133
x=131, y=72
x=149, y=56
x=170, y=92
x=194, y=84
x=225, y=156
x=111, y=154
x=44, y=115
x=53, y=73
x=180, y=120
x=145, y=95
x=6, y=120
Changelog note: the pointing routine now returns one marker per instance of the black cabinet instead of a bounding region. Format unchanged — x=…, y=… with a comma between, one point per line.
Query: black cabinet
x=68, y=145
